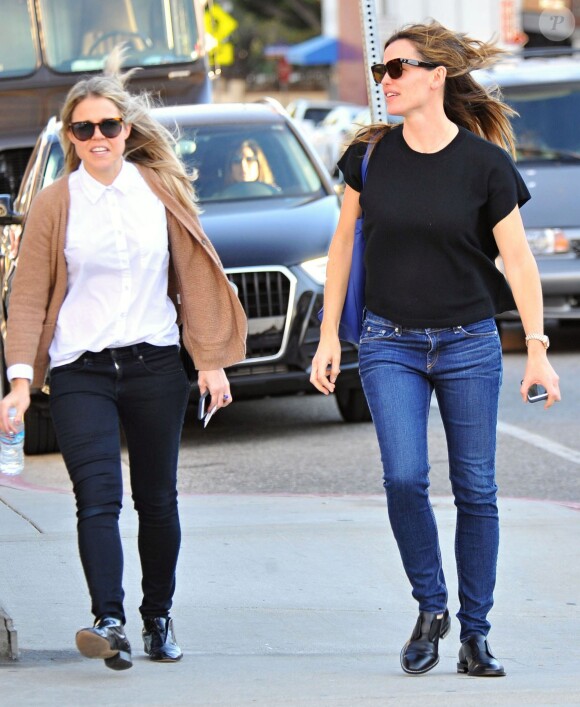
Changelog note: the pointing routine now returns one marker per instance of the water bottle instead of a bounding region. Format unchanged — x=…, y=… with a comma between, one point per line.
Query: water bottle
x=12, y=448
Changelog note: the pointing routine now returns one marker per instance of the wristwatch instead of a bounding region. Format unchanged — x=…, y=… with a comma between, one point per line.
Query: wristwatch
x=538, y=337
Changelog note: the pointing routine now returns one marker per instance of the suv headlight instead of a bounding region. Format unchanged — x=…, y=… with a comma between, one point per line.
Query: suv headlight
x=316, y=269
x=544, y=241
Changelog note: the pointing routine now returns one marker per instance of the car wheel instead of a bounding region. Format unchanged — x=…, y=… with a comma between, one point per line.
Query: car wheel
x=39, y=434
x=352, y=404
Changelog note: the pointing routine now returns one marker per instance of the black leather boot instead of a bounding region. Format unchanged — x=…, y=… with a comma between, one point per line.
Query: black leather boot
x=476, y=658
x=159, y=640
x=106, y=640
x=421, y=652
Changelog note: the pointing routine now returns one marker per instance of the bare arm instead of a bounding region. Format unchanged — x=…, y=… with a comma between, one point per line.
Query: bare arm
x=522, y=274
x=326, y=361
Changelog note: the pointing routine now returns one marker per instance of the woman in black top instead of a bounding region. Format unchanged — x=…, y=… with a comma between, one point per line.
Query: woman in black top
x=441, y=200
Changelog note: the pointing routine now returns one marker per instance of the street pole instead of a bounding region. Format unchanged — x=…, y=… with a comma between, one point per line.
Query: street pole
x=373, y=54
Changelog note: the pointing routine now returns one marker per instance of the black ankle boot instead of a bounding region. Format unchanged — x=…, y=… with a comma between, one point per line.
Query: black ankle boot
x=421, y=652
x=159, y=640
x=476, y=659
x=106, y=640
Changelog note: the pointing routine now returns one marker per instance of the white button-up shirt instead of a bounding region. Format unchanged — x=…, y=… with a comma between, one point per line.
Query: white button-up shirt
x=117, y=258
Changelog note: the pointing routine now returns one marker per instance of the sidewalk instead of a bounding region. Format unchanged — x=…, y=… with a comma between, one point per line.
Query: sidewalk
x=287, y=601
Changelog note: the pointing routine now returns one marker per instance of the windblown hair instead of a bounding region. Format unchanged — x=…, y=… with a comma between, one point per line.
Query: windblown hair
x=466, y=102
x=149, y=144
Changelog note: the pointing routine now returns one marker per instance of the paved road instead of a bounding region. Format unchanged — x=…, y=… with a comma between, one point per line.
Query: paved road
x=299, y=445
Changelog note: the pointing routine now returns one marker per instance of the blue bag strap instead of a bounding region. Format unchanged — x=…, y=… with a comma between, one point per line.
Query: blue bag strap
x=369, y=151
x=365, y=163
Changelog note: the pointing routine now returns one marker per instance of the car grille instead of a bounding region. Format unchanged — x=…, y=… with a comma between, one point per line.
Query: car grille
x=266, y=295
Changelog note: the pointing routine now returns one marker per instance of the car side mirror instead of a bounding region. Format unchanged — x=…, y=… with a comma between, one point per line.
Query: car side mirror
x=7, y=216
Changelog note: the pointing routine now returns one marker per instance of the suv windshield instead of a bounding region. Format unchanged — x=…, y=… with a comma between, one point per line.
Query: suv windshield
x=78, y=34
x=235, y=162
x=17, y=51
x=547, y=126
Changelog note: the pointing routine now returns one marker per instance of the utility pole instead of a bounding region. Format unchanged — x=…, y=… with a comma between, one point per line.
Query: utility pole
x=373, y=54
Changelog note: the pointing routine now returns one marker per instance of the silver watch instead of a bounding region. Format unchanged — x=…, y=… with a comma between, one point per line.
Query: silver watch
x=538, y=337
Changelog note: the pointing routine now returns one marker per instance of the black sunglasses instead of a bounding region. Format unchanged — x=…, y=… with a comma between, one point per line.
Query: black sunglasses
x=394, y=68
x=84, y=130
x=248, y=159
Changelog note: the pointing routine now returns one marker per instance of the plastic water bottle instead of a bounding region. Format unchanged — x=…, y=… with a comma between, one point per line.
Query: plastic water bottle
x=12, y=448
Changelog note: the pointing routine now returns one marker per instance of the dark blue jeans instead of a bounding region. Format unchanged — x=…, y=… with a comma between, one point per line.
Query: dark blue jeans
x=142, y=388
x=400, y=368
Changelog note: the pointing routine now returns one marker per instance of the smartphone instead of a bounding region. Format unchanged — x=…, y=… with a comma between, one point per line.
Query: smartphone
x=203, y=405
x=536, y=393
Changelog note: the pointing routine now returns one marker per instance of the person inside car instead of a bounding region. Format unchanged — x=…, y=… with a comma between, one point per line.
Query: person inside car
x=247, y=163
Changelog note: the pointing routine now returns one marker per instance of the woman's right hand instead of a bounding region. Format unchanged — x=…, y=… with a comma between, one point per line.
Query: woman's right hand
x=326, y=363
x=19, y=398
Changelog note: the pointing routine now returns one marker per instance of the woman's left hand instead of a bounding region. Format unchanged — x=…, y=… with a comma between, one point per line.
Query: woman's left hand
x=539, y=371
x=218, y=385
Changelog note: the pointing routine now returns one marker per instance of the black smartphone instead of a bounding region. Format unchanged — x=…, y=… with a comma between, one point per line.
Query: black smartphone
x=536, y=393
x=202, y=407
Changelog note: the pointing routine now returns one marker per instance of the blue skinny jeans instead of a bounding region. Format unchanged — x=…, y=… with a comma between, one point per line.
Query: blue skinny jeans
x=400, y=367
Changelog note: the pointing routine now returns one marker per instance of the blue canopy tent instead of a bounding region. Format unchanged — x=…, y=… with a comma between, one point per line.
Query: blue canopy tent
x=314, y=52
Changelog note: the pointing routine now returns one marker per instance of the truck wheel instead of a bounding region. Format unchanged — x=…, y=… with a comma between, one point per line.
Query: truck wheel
x=352, y=404
x=39, y=434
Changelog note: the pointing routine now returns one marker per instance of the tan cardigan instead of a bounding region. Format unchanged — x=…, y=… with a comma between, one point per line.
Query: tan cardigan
x=214, y=322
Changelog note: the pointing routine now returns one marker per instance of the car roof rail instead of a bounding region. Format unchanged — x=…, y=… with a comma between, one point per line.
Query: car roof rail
x=538, y=52
x=274, y=103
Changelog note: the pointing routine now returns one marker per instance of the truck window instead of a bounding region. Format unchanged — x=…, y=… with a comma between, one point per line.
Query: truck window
x=47, y=45
x=547, y=125
x=18, y=56
x=80, y=33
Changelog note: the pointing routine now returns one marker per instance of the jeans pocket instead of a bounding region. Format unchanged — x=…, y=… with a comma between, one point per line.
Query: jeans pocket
x=77, y=365
x=376, y=331
x=483, y=328
x=162, y=360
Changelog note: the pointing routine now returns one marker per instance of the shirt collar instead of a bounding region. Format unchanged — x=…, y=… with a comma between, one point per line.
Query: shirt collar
x=93, y=189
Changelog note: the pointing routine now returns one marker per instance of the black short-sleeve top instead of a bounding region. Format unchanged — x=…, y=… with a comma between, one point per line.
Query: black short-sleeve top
x=428, y=226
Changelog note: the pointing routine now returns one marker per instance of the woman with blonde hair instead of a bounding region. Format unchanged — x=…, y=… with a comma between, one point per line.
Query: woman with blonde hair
x=440, y=201
x=113, y=259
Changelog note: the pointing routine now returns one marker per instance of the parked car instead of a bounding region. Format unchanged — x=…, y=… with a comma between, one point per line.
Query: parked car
x=313, y=110
x=330, y=137
x=545, y=91
x=272, y=235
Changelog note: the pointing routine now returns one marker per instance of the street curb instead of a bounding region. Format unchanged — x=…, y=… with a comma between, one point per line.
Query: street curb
x=8, y=637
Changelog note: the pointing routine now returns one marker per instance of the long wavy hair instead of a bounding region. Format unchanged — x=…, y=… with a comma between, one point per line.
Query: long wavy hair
x=466, y=102
x=149, y=144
